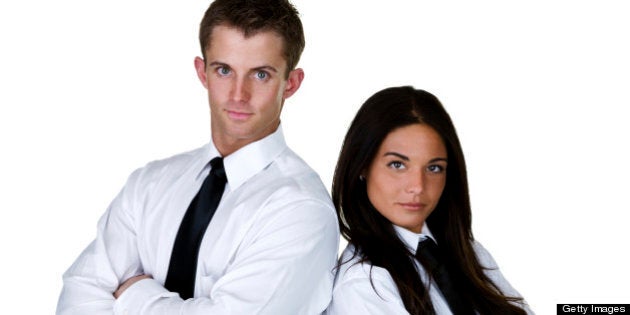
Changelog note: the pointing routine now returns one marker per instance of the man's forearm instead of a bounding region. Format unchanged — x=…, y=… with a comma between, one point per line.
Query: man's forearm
x=129, y=282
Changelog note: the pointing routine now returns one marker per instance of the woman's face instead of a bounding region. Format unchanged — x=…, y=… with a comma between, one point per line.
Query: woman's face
x=407, y=176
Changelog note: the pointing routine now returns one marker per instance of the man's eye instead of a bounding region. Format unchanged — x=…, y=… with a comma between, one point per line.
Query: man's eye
x=262, y=75
x=223, y=71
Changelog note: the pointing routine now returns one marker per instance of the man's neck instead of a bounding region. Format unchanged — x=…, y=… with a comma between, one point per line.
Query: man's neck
x=227, y=145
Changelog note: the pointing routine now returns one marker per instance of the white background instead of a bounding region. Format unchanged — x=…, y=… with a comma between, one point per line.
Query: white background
x=538, y=91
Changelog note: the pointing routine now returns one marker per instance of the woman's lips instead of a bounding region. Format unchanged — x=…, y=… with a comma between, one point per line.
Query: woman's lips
x=412, y=205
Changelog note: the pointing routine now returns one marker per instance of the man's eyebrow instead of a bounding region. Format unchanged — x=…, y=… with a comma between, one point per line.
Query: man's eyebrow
x=261, y=68
x=218, y=63
x=404, y=157
x=267, y=68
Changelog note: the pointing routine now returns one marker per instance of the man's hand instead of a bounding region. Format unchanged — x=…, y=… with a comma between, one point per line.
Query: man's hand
x=129, y=282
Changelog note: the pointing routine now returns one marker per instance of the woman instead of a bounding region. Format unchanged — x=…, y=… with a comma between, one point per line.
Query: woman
x=400, y=187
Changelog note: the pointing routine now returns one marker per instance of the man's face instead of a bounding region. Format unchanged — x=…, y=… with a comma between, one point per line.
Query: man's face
x=245, y=79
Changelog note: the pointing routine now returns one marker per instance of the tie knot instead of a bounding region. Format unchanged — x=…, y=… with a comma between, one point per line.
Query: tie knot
x=428, y=253
x=217, y=168
x=427, y=244
x=445, y=278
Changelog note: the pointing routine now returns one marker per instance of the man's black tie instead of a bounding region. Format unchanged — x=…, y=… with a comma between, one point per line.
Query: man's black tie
x=430, y=257
x=183, y=266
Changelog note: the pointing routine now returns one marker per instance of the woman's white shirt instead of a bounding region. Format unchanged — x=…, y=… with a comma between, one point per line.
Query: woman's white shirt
x=361, y=288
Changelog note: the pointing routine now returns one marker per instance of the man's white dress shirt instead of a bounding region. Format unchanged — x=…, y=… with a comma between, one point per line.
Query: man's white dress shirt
x=354, y=293
x=270, y=248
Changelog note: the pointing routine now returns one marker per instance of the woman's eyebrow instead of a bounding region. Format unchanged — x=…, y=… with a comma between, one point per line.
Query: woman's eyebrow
x=438, y=159
x=404, y=157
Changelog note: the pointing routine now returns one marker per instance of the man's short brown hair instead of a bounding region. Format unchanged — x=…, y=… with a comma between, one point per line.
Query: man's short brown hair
x=253, y=16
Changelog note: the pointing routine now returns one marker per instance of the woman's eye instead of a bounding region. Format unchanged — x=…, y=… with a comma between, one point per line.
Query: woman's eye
x=396, y=165
x=436, y=168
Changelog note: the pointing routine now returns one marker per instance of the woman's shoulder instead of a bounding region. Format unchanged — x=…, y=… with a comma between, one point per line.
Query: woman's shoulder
x=361, y=288
x=492, y=271
x=353, y=268
x=483, y=255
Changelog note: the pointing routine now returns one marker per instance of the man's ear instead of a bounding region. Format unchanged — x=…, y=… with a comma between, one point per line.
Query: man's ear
x=200, y=67
x=293, y=82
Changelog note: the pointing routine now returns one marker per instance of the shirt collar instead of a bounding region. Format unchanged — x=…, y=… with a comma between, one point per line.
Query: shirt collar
x=412, y=239
x=247, y=161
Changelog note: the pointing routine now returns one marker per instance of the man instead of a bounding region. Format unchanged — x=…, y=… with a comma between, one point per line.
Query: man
x=270, y=245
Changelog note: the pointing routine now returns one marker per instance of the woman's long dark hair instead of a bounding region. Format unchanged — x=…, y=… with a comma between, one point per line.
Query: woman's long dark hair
x=374, y=237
